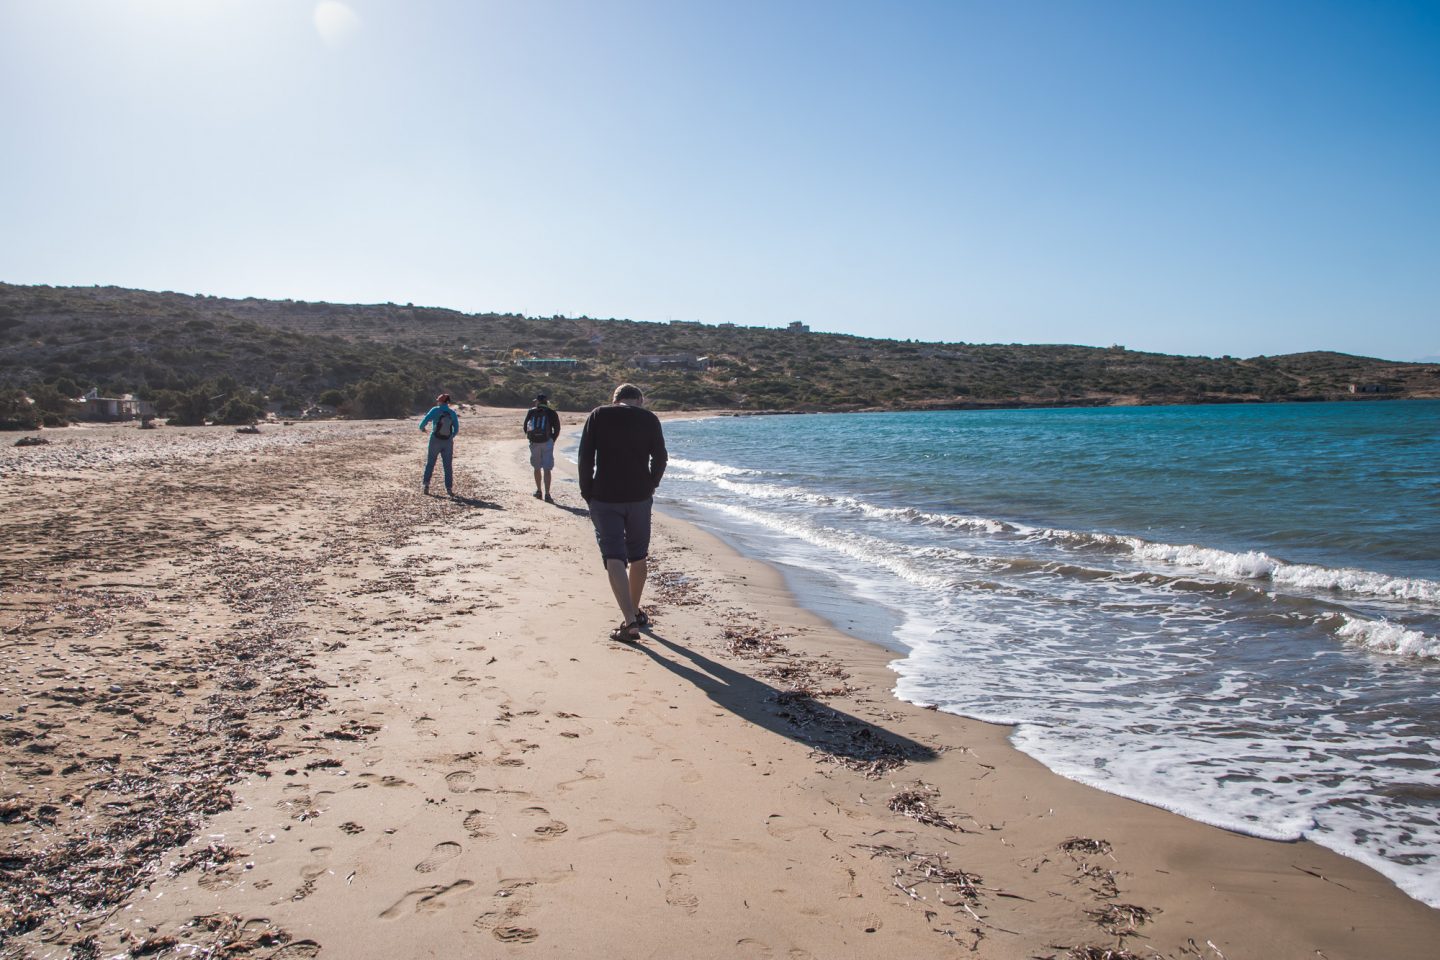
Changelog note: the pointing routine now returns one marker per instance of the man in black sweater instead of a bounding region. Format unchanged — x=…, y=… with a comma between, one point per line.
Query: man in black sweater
x=622, y=458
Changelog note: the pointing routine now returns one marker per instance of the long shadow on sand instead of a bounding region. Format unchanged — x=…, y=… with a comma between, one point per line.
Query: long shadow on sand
x=805, y=720
x=578, y=511
x=475, y=502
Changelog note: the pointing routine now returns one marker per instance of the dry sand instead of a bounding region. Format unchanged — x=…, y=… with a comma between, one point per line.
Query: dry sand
x=262, y=698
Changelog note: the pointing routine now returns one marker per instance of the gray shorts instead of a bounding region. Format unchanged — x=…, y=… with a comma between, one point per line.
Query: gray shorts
x=622, y=529
x=542, y=455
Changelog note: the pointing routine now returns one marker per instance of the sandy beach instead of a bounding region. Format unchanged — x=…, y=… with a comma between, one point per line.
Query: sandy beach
x=265, y=699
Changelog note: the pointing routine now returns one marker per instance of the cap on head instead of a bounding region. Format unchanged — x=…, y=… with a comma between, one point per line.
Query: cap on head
x=443, y=398
x=541, y=398
x=628, y=391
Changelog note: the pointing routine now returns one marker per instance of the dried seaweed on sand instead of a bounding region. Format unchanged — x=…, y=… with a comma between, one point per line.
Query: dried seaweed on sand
x=929, y=868
x=1102, y=880
x=675, y=589
x=1121, y=919
x=871, y=768
x=206, y=651
x=800, y=678
x=1100, y=953
x=841, y=739
x=753, y=643
x=918, y=805
x=1080, y=846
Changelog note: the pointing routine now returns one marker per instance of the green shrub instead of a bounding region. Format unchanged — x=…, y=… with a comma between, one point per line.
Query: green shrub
x=384, y=398
x=16, y=411
x=238, y=411
x=187, y=408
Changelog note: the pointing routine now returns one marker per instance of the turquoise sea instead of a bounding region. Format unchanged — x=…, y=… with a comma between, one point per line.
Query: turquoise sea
x=1232, y=612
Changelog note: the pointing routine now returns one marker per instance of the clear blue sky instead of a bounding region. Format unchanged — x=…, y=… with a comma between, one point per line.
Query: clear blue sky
x=1200, y=177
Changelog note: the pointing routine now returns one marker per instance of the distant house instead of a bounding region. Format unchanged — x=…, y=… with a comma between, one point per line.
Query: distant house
x=670, y=361
x=797, y=327
x=114, y=409
x=547, y=363
x=1369, y=388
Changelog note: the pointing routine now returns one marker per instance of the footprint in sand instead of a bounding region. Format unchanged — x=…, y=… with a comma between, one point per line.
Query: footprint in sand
x=574, y=727
x=680, y=825
x=254, y=929
x=590, y=771
x=318, y=866
x=691, y=775
x=478, y=824
x=442, y=854
x=678, y=890
x=609, y=828
x=459, y=781
x=385, y=781
x=299, y=950
x=514, y=886
x=510, y=901
x=425, y=899
x=678, y=893
x=311, y=872
x=219, y=880
x=776, y=826
x=548, y=830
x=508, y=933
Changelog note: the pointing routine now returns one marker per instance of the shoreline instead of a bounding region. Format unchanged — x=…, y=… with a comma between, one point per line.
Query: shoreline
x=831, y=599
x=1180, y=843
x=483, y=772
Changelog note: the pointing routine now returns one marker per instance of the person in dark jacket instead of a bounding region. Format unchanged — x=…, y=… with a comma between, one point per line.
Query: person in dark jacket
x=542, y=426
x=622, y=458
x=442, y=441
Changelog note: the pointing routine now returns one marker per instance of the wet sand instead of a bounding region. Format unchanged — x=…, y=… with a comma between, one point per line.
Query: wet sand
x=265, y=699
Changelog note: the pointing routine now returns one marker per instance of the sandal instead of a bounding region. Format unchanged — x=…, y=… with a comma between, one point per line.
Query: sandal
x=642, y=619
x=625, y=633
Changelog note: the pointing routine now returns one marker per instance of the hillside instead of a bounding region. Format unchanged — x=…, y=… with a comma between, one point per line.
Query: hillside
x=161, y=345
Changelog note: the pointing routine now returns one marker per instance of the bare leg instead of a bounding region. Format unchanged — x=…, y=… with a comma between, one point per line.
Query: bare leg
x=621, y=586
x=638, y=570
x=547, y=484
x=537, y=480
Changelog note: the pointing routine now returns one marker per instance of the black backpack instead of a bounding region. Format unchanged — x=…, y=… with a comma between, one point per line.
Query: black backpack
x=537, y=425
x=445, y=425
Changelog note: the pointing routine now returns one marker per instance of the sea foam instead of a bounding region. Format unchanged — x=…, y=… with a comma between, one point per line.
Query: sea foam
x=1382, y=636
x=1241, y=566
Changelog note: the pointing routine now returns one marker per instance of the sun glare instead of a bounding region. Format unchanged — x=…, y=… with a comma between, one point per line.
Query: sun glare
x=335, y=22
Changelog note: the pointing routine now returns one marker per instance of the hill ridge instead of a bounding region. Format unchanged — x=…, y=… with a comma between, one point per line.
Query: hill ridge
x=157, y=344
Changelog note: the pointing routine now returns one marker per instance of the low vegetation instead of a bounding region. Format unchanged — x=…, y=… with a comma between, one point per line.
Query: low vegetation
x=226, y=360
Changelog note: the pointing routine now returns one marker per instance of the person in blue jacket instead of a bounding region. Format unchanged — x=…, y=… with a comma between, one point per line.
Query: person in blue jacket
x=445, y=424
